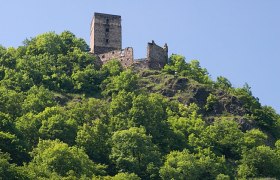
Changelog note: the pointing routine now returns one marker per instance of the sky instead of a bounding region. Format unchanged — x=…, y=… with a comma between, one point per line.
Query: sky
x=238, y=39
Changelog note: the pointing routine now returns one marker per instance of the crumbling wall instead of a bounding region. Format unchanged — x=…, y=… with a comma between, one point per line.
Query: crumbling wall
x=137, y=64
x=125, y=56
x=157, y=57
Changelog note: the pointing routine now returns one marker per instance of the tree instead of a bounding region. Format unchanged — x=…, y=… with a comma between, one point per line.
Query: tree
x=45, y=43
x=112, y=68
x=93, y=138
x=261, y=161
x=223, y=83
x=85, y=80
x=87, y=110
x=126, y=81
x=119, y=111
x=7, y=123
x=149, y=111
x=268, y=119
x=244, y=94
x=119, y=176
x=126, y=176
x=178, y=65
x=197, y=73
x=254, y=138
x=187, y=128
x=224, y=138
x=70, y=42
x=211, y=102
x=37, y=99
x=185, y=165
x=8, y=170
x=10, y=102
x=133, y=151
x=58, y=126
x=10, y=143
x=28, y=127
x=7, y=57
x=57, y=157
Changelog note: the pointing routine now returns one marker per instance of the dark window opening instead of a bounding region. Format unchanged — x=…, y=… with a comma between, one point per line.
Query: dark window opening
x=107, y=40
x=107, y=29
x=107, y=21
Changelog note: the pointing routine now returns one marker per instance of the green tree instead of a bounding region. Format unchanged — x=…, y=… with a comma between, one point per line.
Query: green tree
x=119, y=176
x=176, y=64
x=85, y=80
x=223, y=83
x=87, y=110
x=119, y=111
x=71, y=42
x=268, y=119
x=127, y=81
x=187, y=128
x=37, y=99
x=28, y=127
x=10, y=143
x=211, y=102
x=7, y=123
x=16, y=80
x=197, y=73
x=57, y=157
x=254, y=138
x=133, y=151
x=244, y=94
x=149, y=111
x=93, y=138
x=7, y=57
x=8, y=170
x=10, y=102
x=223, y=137
x=261, y=161
x=185, y=165
x=58, y=126
x=112, y=68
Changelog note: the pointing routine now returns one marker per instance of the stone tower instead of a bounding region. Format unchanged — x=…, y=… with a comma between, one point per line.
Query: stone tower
x=105, y=33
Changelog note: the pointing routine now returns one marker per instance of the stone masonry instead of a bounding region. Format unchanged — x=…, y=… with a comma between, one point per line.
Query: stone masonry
x=105, y=33
x=106, y=43
x=125, y=56
x=157, y=56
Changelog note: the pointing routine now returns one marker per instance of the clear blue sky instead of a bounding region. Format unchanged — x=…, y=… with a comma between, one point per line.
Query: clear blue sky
x=237, y=39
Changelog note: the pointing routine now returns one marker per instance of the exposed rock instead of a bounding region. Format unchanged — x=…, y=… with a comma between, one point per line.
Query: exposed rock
x=167, y=92
x=180, y=84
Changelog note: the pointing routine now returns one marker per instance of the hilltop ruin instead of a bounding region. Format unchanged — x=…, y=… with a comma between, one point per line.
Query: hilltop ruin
x=106, y=43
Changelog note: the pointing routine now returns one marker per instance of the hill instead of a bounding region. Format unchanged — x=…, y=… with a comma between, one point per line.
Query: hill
x=63, y=115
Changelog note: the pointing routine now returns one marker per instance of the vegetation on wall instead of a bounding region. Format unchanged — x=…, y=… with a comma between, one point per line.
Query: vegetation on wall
x=64, y=116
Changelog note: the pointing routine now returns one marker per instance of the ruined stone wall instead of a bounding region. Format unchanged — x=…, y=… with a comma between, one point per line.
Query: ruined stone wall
x=106, y=43
x=157, y=56
x=140, y=64
x=106, y=33
x=125, y=56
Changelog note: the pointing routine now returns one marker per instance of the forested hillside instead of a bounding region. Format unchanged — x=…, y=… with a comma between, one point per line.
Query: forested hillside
x=64, y=116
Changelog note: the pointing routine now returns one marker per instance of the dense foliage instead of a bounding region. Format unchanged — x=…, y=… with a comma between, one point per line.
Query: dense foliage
x=64, y=116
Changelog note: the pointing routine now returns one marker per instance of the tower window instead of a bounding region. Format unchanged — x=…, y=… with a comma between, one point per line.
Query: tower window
x=107, y=29
x=107, y=41
x=107, y=21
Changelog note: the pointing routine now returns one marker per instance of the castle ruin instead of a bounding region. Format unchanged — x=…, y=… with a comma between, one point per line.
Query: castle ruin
x=106, y=43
